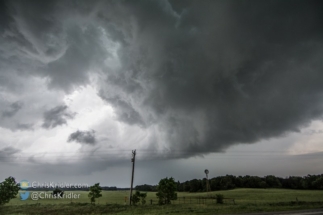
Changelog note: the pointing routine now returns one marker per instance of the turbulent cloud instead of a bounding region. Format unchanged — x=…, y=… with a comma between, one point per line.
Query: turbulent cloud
x=12, y=110
x=86, y=137
x=125, y=111
x=49, y=40
x=196, y=76
x=56, y=116
x=215, y=73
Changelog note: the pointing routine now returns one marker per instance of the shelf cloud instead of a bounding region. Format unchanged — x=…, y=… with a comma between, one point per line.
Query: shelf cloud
x=177, y=79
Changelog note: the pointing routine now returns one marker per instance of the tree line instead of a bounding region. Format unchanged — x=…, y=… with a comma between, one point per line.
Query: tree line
x=309, y=182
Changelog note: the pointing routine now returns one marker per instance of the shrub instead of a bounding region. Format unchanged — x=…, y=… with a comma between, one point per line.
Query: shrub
x=219, y=198
x=137, y=196
x=57, y=193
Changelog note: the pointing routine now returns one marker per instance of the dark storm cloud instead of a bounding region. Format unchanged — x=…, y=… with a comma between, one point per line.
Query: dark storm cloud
x=57, y=116
x=86, y=137
x=48, y=39
x=12, y=109
x=200, y=75
x=125, y=111
x=212, y=74
x=4, y=16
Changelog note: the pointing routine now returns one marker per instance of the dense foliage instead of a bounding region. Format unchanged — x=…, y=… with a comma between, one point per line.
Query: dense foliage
x=310, y=182
x=146, y=187
x=166, y=191
x=8, y=190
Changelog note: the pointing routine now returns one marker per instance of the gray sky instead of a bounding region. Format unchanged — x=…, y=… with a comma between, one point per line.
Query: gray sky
x=231, y=86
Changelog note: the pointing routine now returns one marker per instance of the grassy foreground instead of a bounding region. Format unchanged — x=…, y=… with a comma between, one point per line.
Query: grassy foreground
x=113, y=202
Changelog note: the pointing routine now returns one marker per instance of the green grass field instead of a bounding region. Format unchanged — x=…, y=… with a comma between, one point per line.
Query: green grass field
x=113, y=202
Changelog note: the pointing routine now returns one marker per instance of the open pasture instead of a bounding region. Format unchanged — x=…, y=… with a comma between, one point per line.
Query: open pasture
x=113, y=202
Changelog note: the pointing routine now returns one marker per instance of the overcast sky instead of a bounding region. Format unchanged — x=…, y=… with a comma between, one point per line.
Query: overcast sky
x=235, y=87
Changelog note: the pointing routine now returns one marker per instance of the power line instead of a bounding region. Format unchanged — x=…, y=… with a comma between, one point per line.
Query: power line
x=152, y=151
x=102, y=154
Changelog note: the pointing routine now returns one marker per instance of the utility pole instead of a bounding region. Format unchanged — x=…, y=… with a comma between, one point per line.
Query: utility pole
x=133, y=171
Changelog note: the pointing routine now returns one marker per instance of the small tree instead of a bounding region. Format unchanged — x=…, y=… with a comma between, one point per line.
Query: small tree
x=58, y=193
x=8, y=190
x=166, y=191
x=95, y=192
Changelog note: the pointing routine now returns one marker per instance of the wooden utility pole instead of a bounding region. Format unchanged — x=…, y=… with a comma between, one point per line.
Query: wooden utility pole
x=133, y=171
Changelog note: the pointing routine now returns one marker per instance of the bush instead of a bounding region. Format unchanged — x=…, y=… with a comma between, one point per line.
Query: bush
x=143, y=198
x=137, y=196
x=57, y=193
x=219, y=198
